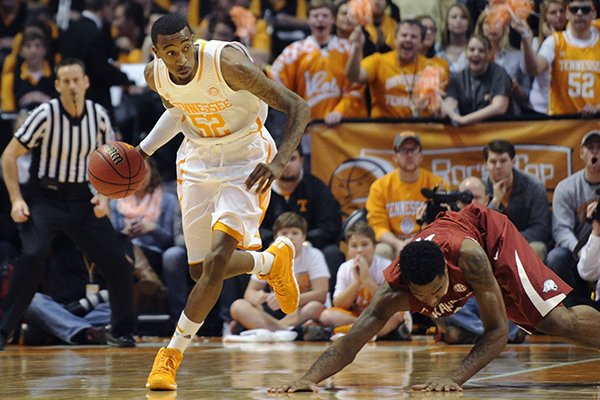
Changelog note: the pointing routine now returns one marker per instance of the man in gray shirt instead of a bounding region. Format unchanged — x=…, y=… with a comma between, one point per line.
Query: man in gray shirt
x=519, y=195
x=569, y=207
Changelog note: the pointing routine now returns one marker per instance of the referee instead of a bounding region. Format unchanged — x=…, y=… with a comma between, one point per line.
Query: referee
x=62, y=134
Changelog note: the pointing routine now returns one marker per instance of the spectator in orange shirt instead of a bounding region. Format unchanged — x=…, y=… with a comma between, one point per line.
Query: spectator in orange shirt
x=314, y=68
x=392, y=76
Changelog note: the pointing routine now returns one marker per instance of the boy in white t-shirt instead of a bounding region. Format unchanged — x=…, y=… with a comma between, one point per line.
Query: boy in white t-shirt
x=357, y=280
x=259, y=307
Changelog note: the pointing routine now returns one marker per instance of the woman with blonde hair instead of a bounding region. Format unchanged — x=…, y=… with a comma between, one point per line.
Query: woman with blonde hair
x=456, y=29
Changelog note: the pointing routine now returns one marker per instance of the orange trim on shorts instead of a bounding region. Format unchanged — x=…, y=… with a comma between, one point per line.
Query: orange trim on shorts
x=219, y=226
x=216, y=66
x=201, y=61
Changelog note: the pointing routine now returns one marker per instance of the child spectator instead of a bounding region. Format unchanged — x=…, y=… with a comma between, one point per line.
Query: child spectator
x=31, y=82
x=357, y=280
x=259, y=307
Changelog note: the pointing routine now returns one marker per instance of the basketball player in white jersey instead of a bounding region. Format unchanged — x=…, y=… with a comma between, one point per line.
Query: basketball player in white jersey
x=225, y=166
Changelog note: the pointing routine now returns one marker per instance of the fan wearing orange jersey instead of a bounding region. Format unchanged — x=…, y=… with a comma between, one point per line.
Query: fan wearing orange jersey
x=573, y=57
x=314, y=69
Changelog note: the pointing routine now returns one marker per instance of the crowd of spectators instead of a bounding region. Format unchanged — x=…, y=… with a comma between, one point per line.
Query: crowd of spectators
x=345, y=65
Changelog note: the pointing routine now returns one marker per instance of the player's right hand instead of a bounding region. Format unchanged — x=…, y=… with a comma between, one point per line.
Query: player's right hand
x=439, y=385
x=301, y=385
x=263, y=176
x=19, y=211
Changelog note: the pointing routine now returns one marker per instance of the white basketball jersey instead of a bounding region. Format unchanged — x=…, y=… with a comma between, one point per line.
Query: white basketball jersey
x=211, y=108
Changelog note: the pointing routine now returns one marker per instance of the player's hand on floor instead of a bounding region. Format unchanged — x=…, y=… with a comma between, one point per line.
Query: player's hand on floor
x=301, y=385
x=439, y=385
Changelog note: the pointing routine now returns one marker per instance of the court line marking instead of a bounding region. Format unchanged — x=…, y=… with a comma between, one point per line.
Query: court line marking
x=525, y=371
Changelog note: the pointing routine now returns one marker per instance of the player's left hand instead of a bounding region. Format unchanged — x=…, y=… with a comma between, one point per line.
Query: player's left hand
x=439, y=385
x=100, y=205
x=263, y=176
x=301, y=385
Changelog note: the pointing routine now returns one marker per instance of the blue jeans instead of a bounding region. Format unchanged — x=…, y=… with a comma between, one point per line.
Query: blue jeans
x=176, y=274
x=468, y=319
x=52, y=318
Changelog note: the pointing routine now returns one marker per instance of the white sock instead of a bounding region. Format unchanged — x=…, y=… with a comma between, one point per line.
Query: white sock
x=184, y=333
x=262, y=262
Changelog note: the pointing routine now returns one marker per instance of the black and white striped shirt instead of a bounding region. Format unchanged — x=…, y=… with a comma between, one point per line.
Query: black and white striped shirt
x=61, y=145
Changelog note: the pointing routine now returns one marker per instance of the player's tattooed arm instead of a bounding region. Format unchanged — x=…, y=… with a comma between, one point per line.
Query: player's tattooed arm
x=386, y=302
x=477, y=270
x=241, y=74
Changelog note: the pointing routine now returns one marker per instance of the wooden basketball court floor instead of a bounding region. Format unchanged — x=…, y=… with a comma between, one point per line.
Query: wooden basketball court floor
x=541, y=368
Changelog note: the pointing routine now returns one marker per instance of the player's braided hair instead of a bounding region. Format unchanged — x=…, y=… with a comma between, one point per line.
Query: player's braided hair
x=168, y=24
x=420, y=262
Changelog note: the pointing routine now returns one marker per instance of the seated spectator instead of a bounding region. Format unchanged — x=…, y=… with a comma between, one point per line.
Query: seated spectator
x=569, y=208
x=151, y=220
x=456, y=30
x=394, y=198
x=70, y=308
x=507, y=57
x=287, y=21
x=356, y=283
x=13, y=15
x=253, y=32
x=477, y=188
x=428, y=49
x=553, y=18
x=308, y=196
x=588, y=265
x=481, y=90
x=31, y=82
x=518, y=195
x=259, y=307
x=382, y=31
x=573, y=84
x=129, y=23
x=314, y=69
x=392, y=76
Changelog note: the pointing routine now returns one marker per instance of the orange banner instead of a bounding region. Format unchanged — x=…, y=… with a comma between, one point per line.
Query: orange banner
x=350, y=156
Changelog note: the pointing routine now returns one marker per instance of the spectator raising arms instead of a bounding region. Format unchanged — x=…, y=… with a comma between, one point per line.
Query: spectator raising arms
x=314, y=68
x=572, y=56
x=553, y=18
x=392, y=76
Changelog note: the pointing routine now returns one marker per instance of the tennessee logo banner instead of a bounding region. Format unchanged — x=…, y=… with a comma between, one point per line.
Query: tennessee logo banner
x=350, y=156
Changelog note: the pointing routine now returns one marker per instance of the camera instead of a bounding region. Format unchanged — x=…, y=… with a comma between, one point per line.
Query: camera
x=435, y=199
x=82, y=306
x=596, y=212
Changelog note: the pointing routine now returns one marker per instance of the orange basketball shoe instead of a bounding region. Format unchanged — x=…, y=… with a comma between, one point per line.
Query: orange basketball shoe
x=281, y=278
x=164, y=370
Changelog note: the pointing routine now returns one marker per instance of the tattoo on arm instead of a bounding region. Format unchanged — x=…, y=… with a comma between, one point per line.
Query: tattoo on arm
x=476, y=267
x=241, y=74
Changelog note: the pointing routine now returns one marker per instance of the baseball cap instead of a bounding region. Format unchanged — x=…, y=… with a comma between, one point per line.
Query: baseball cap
x=404, y=136
x=589, y=136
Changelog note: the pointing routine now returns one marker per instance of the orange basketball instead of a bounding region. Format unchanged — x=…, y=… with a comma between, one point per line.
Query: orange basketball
x=116, y=169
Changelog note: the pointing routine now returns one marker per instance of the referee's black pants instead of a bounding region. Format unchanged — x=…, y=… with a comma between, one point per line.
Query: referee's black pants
x=68, y=209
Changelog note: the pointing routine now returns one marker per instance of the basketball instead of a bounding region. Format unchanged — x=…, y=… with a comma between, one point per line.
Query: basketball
x=116, y=170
